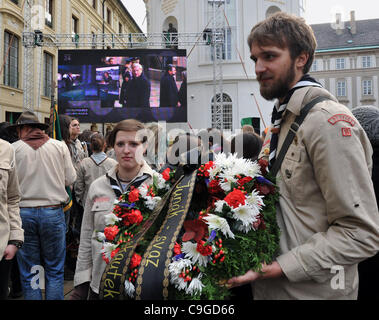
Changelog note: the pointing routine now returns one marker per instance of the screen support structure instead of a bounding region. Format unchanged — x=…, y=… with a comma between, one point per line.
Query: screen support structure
x=32, y=39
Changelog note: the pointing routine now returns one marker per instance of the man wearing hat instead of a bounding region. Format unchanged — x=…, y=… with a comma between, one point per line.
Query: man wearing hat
x=44, y=169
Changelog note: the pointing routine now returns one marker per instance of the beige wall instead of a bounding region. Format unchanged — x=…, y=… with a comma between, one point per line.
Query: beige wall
x=11, y=20
x=354, y=74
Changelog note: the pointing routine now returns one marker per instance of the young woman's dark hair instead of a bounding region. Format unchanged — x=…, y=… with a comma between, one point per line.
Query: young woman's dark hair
x=97, y=142
x=251, y=145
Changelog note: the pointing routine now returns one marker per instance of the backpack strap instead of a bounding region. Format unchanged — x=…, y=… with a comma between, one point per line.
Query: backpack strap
x=292, y=133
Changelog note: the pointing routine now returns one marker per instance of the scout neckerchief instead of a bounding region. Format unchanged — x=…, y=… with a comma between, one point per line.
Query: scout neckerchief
x=278, y=111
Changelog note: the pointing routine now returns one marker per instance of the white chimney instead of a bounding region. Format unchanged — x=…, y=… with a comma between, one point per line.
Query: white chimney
x=339, y=23
x=353, y=24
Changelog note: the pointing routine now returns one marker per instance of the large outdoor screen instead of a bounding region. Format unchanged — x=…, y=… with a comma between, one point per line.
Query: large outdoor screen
x=112, y=85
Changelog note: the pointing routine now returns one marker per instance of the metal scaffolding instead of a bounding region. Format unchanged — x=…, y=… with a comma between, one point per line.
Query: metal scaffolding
x=28, y=79
x=213, y=37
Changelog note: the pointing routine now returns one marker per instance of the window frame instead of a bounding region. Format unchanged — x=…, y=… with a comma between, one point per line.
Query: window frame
x=47, y=90
x=366, y=62
x=367, y=90
x=340, y=63
x=11, y=79
x=344, y=88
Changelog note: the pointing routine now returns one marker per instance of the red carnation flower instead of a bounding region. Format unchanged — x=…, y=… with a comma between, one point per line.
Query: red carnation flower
x=111, y=232
x=242, y=181
x=166, y=174
x=235, y=198
x=177, y=249
x=207, y=166
x=204, y=250
x=214, y=187
x=114, y=252
x=135, y=261
x=134, y=217
x=133, y=195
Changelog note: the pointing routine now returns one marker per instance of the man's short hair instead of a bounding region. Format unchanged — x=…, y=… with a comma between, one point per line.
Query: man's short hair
x=285, y=31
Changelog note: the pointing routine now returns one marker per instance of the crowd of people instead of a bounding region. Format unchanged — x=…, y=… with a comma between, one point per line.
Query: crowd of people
x=55, y=194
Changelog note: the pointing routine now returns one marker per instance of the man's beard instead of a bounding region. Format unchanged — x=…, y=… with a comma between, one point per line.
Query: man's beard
x=280, y=88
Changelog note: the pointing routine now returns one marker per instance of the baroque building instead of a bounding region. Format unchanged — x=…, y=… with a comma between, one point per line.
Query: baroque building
x=241, y=96
x=50, y=17
x=347, y=60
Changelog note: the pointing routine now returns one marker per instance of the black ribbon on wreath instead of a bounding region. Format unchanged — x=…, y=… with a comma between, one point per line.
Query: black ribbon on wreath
x=153, y=275
x=152, y=281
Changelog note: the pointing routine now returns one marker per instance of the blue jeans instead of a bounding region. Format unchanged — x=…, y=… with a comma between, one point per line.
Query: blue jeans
x=43, y=252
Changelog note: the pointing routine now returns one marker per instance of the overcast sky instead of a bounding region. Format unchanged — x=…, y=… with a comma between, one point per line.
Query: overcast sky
x=317, y=11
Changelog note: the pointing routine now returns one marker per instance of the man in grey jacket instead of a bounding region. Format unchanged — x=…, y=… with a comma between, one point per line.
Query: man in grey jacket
x=44, y=169
x=327, y=210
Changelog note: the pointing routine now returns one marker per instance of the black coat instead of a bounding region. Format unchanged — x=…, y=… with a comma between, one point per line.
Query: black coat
x=183, y=93
x=138, y=93
x=168, y=96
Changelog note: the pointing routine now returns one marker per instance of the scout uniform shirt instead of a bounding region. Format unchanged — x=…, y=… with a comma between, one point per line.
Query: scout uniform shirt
x=100, y=201
x=10, y=220
x=327, y=210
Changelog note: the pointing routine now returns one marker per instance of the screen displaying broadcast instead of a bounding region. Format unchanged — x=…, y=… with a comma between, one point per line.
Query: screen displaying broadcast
x=112, y=85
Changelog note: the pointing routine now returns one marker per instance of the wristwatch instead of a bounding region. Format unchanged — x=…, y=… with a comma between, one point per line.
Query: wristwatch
x=17, y=243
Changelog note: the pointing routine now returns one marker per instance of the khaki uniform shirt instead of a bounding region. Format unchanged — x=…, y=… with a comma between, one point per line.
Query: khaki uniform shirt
x=89, y=171
x=100, y=201
x=44, y=173
x=10, y=220
x=327, y=211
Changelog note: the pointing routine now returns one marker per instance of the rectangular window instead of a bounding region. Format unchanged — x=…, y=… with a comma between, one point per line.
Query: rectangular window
x=340, y=63
x=119, y=27
x=75, y=25
x=11, y=58
x=367, y=87
x=109, y=16
x=15, y=1
x=341, y=89
x=227, y=27
x=47, y=74
x=314, y=66
x=366, y=62
x=94, y=4
x=49, y=13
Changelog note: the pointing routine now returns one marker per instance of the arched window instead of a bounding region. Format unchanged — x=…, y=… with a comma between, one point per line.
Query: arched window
x=271, y=10
x=227, y=111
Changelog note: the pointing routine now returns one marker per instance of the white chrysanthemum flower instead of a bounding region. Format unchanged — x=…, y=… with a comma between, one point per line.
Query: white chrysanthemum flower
x=107, y=249
x=254, y=170
x=151, y=202
x=161, y=182
x=255, y=201
x=176, y=267
x=179, y=283
x=111, y=219
x=100, y=236
x=129, y=288
x=143, y=190
x=189, y=249
x=242, y=228
x=245, y=214
x=215, y=222
x=219, y=205
x=213, y=172
x=195, y=286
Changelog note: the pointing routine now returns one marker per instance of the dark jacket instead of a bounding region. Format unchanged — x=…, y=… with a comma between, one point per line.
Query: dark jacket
x=168, y=91
x=138, y=93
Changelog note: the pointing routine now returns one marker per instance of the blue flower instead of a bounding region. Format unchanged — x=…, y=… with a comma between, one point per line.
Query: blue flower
x=127, y=205
x=179, y=256
x=264, y=181
x=212, y=236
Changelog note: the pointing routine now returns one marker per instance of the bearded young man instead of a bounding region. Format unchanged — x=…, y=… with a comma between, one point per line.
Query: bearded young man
x=327, y=210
